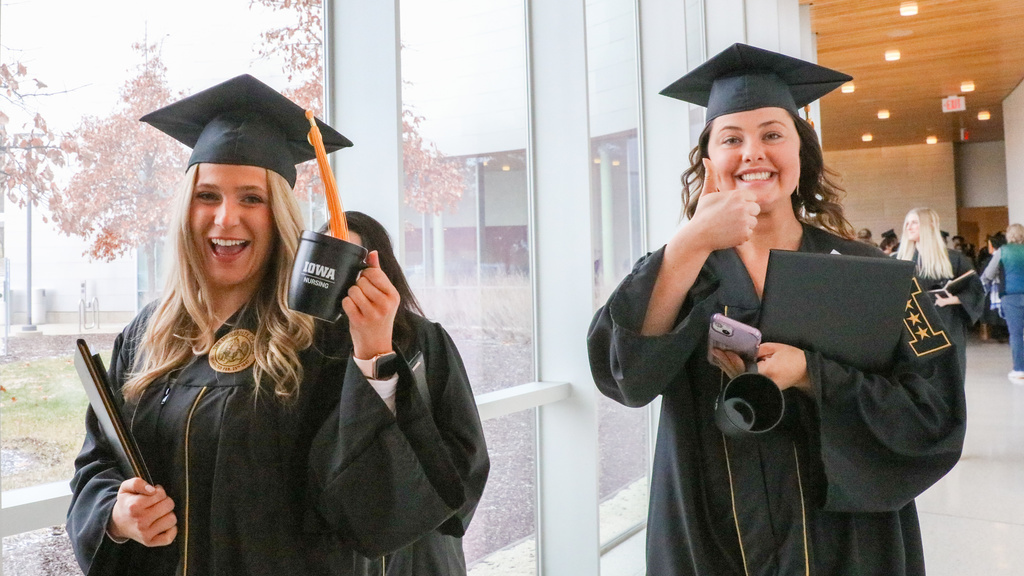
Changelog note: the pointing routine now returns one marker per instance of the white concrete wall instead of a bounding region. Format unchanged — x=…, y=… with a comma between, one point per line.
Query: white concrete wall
x=883, y=184
x=469, y=84
x=59, y=266
x=1013, y=129
x=980, y=174
x=612, y=66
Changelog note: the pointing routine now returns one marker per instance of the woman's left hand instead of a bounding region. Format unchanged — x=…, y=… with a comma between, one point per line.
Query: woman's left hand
x=784, y=364
x=371, y=306
x=942, y=302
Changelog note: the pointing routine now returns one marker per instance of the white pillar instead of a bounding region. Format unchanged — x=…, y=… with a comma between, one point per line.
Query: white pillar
x=770, y=24
x=363, y=81
x=563, y=275
x=665, y=33
x=1013, y=136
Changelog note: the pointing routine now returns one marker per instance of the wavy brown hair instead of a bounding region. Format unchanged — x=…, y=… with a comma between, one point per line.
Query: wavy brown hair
x=375, y=237
x=183, y=324
x=816, y=200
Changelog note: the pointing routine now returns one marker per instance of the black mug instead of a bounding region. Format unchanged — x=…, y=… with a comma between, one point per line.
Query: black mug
x=749, y=405
x=325, y=268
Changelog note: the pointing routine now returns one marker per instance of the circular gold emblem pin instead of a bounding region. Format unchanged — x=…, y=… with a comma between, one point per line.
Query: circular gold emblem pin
x=233, y=352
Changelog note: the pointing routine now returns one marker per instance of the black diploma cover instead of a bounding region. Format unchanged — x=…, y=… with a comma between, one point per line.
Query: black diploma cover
x=848, y=308
x=101, y=397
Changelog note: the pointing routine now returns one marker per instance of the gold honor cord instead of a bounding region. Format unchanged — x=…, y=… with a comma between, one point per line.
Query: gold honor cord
x=728, y=469
x=339, y=225
x=188, y=427
x=803, y=511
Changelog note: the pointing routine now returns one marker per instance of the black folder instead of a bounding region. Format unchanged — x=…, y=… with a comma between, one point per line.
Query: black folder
x=104, y=404
x=848, y=308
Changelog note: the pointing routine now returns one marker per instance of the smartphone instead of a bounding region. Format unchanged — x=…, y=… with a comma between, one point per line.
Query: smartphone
x=725, y=333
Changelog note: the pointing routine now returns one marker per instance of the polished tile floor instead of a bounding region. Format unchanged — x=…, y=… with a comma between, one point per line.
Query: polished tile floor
x=972, y=520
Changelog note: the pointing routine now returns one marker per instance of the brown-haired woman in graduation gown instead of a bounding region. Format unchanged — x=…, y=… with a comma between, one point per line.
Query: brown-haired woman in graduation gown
x=278, y=445
x=830, y=491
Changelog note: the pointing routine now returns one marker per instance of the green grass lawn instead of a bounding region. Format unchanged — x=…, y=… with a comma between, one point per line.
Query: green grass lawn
x=42, y=420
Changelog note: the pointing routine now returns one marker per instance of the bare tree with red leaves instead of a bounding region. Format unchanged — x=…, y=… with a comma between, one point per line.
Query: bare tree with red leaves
x=33, y=154
x=128, y=172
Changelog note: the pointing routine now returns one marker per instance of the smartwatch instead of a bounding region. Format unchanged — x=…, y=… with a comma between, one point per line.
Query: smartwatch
x=384, y=365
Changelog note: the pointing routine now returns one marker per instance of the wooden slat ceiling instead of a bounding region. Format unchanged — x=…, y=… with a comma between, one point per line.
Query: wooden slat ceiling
x=946, y=43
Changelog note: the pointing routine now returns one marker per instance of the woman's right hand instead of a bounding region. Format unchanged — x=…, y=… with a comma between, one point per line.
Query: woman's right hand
x=725, y=216
x=143, y=513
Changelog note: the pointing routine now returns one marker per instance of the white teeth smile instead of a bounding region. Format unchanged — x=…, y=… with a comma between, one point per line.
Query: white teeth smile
x=755, y=176
x=221, y=242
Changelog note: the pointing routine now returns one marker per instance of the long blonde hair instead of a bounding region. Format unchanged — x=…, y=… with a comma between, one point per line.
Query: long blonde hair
x=183, y=324
x=933, y=259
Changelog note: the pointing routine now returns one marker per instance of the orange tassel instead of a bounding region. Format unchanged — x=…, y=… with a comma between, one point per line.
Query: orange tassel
x=339, y=224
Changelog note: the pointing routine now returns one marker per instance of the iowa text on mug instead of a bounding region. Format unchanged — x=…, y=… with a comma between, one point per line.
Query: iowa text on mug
x=324, y=275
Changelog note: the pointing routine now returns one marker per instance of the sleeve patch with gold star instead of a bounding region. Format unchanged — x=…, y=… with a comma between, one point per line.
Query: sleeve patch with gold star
x=926, y=335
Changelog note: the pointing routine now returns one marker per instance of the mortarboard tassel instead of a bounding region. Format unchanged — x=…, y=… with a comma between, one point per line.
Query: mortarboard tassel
x=338, y=222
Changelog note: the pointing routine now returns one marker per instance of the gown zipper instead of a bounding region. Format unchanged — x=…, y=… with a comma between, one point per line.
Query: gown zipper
x=188, y=426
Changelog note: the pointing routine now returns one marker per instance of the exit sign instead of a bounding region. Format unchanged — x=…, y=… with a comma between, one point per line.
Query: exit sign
x=954, y=104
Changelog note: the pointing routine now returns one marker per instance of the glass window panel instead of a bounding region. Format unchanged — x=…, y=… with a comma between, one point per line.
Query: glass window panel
x=617, y=242
x=501, y=540
x=103, y=253
x=465, y=241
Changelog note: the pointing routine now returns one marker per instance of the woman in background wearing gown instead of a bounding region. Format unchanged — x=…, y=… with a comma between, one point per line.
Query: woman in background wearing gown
x=936, y=265
x=278, y=444
x=831, y=490
x=440, y=551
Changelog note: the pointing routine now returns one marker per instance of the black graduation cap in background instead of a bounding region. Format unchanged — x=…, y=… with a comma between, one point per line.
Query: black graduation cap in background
x=889, y=233
x=743, y=77
x=244, y=121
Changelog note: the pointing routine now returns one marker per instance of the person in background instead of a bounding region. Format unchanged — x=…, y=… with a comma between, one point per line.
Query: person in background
x=890, y=242
x=442, y=385
x=832, y=492
x=1006, y=269
x=993, y=326
x=278, y=444
x=864, y=235
x=958, y=243
x=936, y=265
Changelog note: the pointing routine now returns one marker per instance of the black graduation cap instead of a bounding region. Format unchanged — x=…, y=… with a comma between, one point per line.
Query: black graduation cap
x=743, y=77
x=890, y=233
x=244, y=121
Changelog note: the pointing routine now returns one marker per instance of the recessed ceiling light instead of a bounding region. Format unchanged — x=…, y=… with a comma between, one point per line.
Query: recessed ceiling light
x=867, y=137
x=848, y=88
x=506, y=168
x=883, y=114
x=984, y=115
x=908, y=8
x=597, y=160
x=931, y=140
x=892, y=55
x=616, y=162
x=967, y=86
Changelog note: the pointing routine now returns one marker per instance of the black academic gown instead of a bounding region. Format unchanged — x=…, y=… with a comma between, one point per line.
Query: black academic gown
x=832, y=489
x=332, y=483
x=958, y=319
